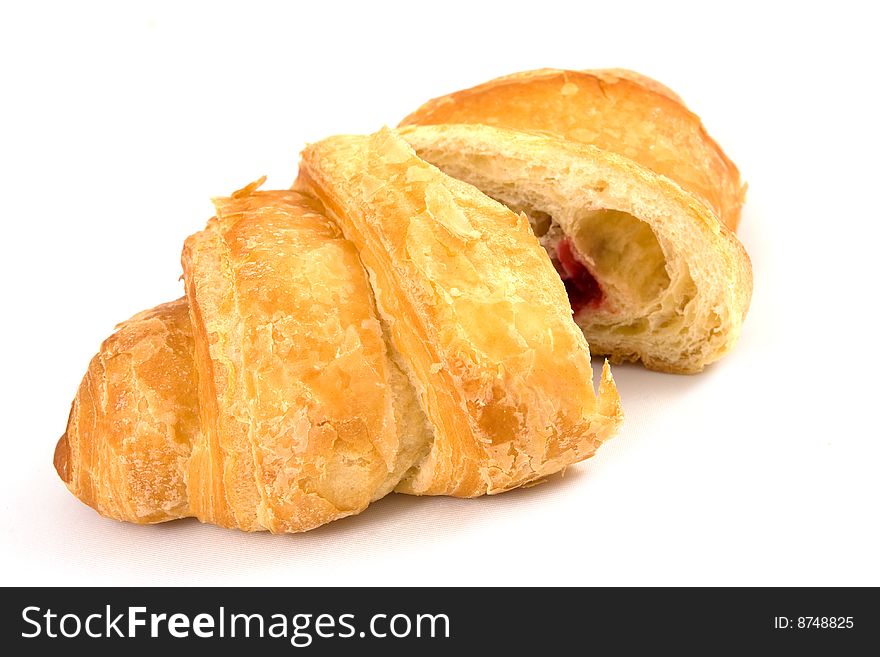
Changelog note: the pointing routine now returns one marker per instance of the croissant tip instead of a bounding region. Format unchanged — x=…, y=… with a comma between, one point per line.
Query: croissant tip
x=61, y=459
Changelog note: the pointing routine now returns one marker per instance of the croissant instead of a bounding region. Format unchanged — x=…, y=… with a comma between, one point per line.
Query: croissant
x=651, y=273
x=387, y=326
x=322, y=358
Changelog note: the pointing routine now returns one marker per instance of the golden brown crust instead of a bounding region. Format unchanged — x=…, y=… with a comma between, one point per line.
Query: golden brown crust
x=616, y=110
x=298, y=403
x=476, y=311
x=306, y=416
x=134, y=419
x=694, y=306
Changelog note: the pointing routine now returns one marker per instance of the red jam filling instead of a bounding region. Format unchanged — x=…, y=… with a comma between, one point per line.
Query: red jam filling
x=582, y=287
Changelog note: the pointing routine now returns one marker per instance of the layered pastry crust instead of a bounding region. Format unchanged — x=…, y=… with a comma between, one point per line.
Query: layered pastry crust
x=304, y=414
x=267, y=400
x=134, y=420
x=616, y=110
x=475, y=309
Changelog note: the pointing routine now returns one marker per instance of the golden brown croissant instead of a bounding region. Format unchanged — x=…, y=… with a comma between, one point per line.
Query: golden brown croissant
x=616, y=110
x=279, y=396
x=389, y=327
x=651, y=272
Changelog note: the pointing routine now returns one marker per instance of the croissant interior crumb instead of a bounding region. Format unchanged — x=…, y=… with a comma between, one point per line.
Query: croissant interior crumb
x=622, y=252
x=613, y=262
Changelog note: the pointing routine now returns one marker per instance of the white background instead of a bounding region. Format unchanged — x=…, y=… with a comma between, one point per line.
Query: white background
x=119, y=122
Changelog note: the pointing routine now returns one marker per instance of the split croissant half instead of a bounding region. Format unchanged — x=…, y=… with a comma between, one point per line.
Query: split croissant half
x=632, y=200
x=413, y=336
x=413, y=315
